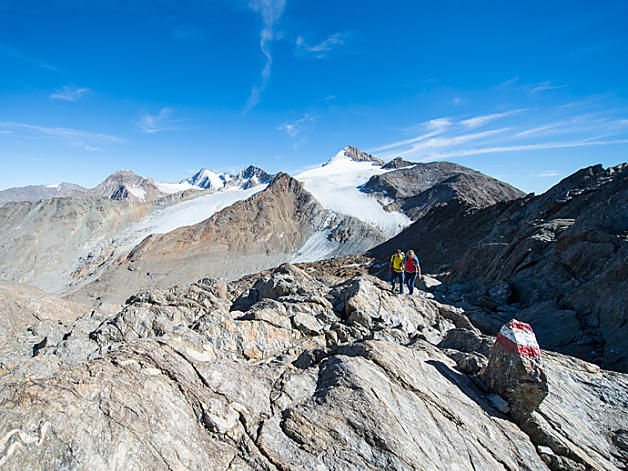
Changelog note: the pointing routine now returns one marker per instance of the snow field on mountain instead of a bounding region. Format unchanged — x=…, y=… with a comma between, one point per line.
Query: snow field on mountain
x=187, y=213
x=174, y=187
x=317, y=247
x=139, y=193
x=336, y=186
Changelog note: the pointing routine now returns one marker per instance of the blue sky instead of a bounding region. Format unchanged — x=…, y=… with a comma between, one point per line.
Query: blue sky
x=527, y=92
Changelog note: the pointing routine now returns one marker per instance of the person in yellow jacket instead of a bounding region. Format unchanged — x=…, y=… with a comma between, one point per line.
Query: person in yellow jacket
x=396, y=269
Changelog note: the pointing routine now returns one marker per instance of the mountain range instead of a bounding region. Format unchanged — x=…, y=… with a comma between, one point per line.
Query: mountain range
x=126, y=185
x=131, y=233
x=244, y=322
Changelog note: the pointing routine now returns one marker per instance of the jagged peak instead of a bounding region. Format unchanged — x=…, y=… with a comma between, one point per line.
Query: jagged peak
x=355, y=154
x=123, y=173
x=397, y=162
x=284, y=182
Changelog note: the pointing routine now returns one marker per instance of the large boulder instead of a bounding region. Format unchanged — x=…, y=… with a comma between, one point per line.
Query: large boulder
x=515, y=369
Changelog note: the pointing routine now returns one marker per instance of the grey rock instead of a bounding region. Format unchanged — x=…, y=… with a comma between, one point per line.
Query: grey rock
x=468, y=341
x=470, y=363
x=361, y=317
x=307, y=324
x=502, y=406
x=427, y=283
x=178, y=379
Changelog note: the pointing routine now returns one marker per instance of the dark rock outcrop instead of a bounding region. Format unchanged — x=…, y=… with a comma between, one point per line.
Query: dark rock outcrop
x=397, y=162
x=356, y=154
x=418, y=187
x=562, y=256
x=126, y=185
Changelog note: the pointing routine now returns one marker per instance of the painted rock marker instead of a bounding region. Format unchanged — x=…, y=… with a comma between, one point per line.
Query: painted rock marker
x=518, y=338
x=515, y=368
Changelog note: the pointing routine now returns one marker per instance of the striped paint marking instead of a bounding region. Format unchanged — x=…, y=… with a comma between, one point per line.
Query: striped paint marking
x=518, y=337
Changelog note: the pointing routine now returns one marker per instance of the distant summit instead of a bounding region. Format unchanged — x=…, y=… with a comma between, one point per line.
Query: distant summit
x=208, y=179
x=126, y=185
x=39, y=192
x=356, y=155
x=397, y=162
x=249, y=177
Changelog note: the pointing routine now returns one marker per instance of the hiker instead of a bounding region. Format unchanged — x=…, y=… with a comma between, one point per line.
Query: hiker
x=412, y=269
x=396, y=270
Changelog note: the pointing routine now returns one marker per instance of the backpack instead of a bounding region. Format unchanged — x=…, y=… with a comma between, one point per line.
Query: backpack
x=411, y=264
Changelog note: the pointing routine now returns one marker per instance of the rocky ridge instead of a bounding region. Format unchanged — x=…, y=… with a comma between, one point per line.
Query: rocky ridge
x=416, y=188
x=66, y=246
x=356, y=154
x=556, y=261
x=288, y=370
x=39, y=192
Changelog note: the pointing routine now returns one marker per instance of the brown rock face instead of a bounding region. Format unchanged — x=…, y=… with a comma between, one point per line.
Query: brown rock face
x=515, y=369
x=126, y=185
x=251, y=235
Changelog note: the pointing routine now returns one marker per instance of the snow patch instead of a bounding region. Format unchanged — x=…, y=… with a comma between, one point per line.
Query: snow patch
x=170, y=188
x=317, y=247
x=56, y=185
x=336, y=186
x=186, y=213
x=138, y=192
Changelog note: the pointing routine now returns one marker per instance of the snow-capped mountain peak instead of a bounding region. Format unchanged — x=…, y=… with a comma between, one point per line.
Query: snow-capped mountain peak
x=208, y=179
x=336, y=185
x=249, y=177
x=355, y=154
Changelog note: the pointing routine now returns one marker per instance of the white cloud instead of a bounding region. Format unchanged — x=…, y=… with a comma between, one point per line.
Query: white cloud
x=69, y=93
x=405, y=142
x=295, y=127
x=435, y=126
x=478, y=121
x=541, y=129
x=541, y=87
x=9, y=51
x=65, y=133
x=542, y=146
x=92, y=148
x=322, y=49
x=154, y=123
x=509, y=82
x=437, y=123
x=271, y=11
x=457, y=101
x=448, y=138
x=440, y=142
x=549, y=173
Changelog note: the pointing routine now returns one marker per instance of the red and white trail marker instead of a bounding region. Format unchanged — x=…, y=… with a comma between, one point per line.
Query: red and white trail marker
x=518, y=337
